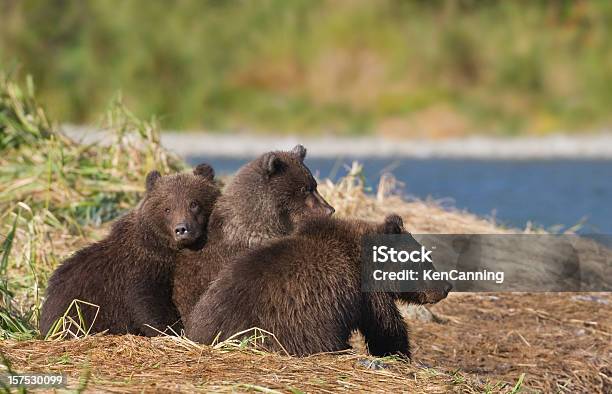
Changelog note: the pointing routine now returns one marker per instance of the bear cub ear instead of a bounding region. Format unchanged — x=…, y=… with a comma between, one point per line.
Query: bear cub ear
x=271, y=163
x=393, y=224
x=204, y=170
x=152, y=178
x=299, y=151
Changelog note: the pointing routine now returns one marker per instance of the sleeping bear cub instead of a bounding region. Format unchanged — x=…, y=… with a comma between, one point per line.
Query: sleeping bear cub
x=128, y=274
x=306, y=290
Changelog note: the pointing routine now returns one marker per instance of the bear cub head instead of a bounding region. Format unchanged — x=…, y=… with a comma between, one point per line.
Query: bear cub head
x=291, y=186
x=270, y=196
x=176, y=208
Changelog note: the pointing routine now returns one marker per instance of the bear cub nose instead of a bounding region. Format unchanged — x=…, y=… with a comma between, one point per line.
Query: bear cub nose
x=181, y=231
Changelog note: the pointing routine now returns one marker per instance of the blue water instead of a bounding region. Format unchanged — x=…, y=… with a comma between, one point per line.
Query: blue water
x=546, y=192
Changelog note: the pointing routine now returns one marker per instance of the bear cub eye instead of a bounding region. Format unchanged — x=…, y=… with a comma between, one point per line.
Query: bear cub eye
x=167, y=210
x=194, y=206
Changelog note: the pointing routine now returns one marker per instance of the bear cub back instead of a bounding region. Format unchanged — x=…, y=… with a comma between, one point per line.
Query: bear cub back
x=266, y=199
x=128, y=274
x=306, y=290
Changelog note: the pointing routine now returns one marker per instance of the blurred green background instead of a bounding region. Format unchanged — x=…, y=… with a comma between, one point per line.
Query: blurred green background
x=399, y=68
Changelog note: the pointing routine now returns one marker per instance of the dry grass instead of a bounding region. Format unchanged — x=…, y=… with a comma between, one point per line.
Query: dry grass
x=136, y=364
x=486, y=344
x=561, y=341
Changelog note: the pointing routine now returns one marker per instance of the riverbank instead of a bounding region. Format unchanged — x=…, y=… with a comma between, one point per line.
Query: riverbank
x=59, y=196
x=558, y=146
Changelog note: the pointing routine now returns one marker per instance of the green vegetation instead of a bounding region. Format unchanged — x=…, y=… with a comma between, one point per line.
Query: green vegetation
x=406, y=68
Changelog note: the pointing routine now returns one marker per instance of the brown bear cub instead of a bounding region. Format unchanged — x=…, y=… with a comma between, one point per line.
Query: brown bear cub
x=265, y=200
x=128, y=274
x=306, y=290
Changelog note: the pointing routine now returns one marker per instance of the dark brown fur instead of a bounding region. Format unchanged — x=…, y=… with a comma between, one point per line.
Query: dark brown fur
x=265, y=200
x=128, y=274
x=306, y=290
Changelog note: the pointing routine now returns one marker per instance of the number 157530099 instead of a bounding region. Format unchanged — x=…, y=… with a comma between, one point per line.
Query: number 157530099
x=34, y=380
